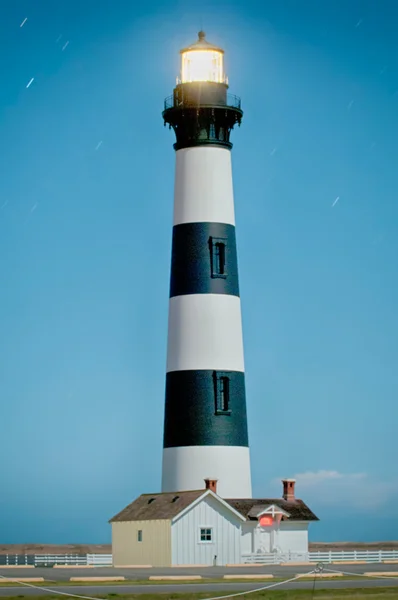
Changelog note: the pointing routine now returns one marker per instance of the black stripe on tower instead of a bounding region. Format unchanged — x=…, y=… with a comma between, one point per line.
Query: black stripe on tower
x=204, y=260
x=205, y=408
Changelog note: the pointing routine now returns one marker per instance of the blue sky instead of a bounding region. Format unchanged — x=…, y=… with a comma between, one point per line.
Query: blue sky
x=85, y=241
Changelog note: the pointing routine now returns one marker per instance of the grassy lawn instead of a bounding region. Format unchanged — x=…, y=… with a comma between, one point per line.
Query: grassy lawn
x=320, y=594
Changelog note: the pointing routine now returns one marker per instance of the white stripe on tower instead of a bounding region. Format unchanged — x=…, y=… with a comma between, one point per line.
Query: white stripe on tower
x=205, y=429
x=203, y=189
x=205, y=332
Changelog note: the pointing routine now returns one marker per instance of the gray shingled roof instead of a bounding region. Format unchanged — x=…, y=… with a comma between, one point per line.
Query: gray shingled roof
x=297, y=509
x=149, y=507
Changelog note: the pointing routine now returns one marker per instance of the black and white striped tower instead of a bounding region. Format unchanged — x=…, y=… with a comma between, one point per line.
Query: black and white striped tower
x=205, y=427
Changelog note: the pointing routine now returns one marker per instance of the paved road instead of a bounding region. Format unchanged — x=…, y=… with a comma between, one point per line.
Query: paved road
x=207, y=572
x=216, y=588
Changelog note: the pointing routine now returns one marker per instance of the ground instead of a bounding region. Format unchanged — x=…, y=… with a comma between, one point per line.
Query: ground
x=320, y=594
x=140, y=573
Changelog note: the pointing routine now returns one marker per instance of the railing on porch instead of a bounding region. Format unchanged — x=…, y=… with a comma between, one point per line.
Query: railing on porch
x=274, y=558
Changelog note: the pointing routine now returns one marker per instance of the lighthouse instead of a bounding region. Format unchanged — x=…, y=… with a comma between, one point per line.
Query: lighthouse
x=205, y=423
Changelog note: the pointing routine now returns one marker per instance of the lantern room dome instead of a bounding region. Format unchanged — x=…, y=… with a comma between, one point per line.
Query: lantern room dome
x=202, y=44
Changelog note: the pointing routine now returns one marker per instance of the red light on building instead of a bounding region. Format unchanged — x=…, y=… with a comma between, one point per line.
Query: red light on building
x=266, y=521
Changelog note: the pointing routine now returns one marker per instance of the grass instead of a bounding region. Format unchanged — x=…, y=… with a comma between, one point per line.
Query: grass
x=320, y=594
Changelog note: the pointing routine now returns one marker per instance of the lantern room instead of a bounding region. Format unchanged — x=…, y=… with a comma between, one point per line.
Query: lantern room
x=202, y=61
x=200, y=110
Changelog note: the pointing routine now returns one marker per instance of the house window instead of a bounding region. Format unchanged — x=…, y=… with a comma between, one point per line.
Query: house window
x=218, y=257
x=222, y=393
x=206, y=534
x=139, y=535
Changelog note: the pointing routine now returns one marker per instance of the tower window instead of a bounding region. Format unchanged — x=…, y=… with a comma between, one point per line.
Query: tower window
x=220, y=258
x=218, y=248
x=222, y=393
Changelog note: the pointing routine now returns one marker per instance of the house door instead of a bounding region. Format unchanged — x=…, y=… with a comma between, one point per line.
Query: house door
x=263, y=540
x=267, y=539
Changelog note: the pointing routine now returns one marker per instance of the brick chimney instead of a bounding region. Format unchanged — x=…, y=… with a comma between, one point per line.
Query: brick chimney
x=211, y=484
x=288, y=489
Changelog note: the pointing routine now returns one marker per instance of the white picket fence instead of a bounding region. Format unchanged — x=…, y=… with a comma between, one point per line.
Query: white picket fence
x=49, y=560
x=99, y=560
x=105, y=560
x=368, y=556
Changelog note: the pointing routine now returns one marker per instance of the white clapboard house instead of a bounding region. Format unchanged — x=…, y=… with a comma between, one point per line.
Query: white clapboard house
x=200, y=528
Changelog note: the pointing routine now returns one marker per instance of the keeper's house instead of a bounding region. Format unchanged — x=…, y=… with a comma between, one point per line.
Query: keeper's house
x=200, y=528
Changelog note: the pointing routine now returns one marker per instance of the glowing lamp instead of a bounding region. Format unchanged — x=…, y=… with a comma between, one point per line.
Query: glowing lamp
x=266, y=521
x=202, y=62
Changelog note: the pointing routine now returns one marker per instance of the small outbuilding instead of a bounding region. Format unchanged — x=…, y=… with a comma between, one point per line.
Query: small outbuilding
x=200, y=528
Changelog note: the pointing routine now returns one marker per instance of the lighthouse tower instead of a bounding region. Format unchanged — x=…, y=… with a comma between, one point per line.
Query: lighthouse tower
x=205, y=426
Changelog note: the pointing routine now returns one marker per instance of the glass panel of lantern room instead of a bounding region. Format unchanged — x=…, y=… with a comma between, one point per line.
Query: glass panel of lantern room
x=202, y=65
x=219, y=62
